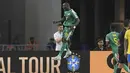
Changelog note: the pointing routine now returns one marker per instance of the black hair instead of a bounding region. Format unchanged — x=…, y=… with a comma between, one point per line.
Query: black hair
x=113, y=26
x=67, y=3
x=99, y=39
x=126, y=23
x=31, y=38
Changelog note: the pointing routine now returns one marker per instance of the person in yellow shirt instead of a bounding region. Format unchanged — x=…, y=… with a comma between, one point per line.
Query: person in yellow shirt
x=127, y=45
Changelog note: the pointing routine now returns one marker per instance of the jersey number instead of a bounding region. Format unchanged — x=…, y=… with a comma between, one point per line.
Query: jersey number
x=115, y=39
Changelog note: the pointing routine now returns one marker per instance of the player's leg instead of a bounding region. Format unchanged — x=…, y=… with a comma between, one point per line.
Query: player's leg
x=121, y=61
x=115, y=67
x=120, y=66
x=58, y=57
x=115, y=63
x=126, y=67
x=68, y=52
x=124, y=61
x=115, y=58
x=128, y=58
x=69, y=43
x=63, y=48
x=65, y=43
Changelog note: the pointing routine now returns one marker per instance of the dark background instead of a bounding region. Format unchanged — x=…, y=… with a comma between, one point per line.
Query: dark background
x=95, y=16
x=127, y=10
x=13, y=10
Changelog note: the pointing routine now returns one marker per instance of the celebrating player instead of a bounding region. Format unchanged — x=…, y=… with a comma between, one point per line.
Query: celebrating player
x=127, y=45
x=70, y=21
x=112, y=39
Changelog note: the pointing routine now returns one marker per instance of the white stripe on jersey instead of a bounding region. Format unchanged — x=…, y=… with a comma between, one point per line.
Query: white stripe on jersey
x=75, y=15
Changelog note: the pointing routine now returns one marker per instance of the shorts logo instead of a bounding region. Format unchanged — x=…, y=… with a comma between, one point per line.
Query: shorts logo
x=73, y=62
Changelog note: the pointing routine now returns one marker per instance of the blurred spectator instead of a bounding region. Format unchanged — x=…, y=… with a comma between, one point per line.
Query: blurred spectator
x=100, y=45
x=51, y=44
x=15, y=41
x=58, y=37
x=32, y=44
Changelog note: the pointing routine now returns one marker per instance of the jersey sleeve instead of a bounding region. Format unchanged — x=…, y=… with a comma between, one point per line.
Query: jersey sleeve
x=107, y=38
x=74, y=14
x=55, y=36
x=126, y=35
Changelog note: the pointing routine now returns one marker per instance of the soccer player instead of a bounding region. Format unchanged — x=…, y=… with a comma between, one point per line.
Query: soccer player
x=127, y=45
x=112, y=39
x=122, y=59
x=70, y=21
x=58, y=37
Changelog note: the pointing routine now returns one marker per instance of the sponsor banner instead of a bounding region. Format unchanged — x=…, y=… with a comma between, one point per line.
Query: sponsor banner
x=102, y=62
x=42, y=62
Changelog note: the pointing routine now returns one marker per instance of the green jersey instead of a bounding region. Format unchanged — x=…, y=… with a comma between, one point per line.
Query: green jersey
x=70, y=17
x=113, y=38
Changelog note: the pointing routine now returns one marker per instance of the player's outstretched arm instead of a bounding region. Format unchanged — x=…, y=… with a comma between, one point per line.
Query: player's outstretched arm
x=62, y=19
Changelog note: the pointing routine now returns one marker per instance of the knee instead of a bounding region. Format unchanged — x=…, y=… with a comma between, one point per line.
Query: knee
x=114, y=62
x=120, y=65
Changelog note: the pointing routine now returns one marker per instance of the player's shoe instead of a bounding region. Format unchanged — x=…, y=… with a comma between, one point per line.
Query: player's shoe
x=57, y=58
x=68, y=53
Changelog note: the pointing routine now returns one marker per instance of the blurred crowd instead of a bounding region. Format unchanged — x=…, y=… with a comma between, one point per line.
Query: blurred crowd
x=33, y=45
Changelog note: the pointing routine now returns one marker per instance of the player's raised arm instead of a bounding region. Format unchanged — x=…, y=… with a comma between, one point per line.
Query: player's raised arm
x=62, y=19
